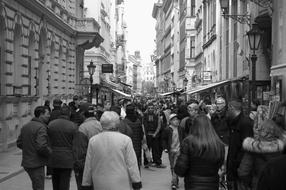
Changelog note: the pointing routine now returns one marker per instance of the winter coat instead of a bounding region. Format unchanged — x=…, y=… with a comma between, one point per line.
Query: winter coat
x=136, y=137
x=86, y=130
x=167, y=137
x=150, y=121
x=258, y=154
x=219, y=123
x=111, y=163
x=33, y=140
x=198, y=172
x=183, y=126
x=124, y=128
x=240, y=128
x=61, y=133
x=273, y=175
x=55, y=114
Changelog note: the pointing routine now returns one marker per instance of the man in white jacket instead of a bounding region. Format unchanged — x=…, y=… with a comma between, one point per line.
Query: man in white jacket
x=111, y=162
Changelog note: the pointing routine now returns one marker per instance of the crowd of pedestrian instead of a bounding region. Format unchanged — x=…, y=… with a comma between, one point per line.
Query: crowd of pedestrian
x=212, y=146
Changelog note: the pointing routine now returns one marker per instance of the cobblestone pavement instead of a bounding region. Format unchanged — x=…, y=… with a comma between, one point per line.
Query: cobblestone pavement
x=12, y=176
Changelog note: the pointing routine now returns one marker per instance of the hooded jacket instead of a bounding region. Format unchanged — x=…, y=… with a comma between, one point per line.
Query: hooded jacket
x=259, y=153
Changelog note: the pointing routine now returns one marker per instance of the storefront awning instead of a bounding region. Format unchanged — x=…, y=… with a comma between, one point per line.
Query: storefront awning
x=167, y=94
x=121, y=93
x=178, y=91
x=206, y=87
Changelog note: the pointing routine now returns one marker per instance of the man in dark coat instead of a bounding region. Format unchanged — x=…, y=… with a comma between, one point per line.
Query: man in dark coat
x=61, y=133
x=56, y=112
x=193, y=109
x=152, y=126
x=240, y=127
x=219, y=121
x=90, y=127
x=135, y=124
x=33, y=140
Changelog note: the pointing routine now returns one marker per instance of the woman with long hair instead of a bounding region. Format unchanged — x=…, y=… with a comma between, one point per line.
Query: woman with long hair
x=267, y=144
x=202, y=154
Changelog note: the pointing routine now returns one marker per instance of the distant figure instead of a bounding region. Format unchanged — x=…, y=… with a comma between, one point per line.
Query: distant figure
x=111, y=162
x=171, y=140
x=56, y=112
x=47, y=104
x=33, y=140
x=123, y=127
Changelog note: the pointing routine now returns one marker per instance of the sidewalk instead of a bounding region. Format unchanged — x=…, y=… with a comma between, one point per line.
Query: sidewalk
x=10, y=163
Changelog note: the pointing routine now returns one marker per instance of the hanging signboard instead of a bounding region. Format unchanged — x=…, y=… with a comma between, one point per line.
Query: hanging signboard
x=207, y=75
x=107, y=68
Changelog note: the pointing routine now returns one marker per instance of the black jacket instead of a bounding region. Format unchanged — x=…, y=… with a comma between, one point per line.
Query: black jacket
x=273, y=175
x=33, y=140
x=198, y=172
x=219, y=123
x=55, y=114
x=240, y=128
x=137, y=134
x=61, y=133
x=167, y=137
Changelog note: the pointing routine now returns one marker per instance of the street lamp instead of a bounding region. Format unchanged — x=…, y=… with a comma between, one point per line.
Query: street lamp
x=254, y=37
x=243, y=19
x=91, y=69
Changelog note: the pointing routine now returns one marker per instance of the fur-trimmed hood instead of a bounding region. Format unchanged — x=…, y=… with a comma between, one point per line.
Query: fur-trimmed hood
x=261, y=146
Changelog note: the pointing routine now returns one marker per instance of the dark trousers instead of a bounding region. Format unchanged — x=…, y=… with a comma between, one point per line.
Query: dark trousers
x=78, y=178
x=61, y=178
x=37, y=176
x=154, y=144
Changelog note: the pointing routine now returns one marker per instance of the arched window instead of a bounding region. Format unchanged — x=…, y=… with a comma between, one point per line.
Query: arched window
x=60, y=69
x=42, y=74
x=31, y=64
x=66, y=71
x=52, y=72
x=17, y=60
x=2, y=55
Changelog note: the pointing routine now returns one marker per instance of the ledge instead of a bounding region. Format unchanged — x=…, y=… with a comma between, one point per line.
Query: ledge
x=210, y=41
x=15, y=99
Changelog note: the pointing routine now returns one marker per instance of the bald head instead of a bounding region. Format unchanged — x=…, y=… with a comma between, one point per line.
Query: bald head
x=109, y=121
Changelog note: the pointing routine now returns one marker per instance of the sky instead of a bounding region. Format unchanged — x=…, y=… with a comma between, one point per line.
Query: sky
x=140, y=26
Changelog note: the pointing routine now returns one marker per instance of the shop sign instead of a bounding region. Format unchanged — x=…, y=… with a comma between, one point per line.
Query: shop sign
x=207, y=76
x=107, y=68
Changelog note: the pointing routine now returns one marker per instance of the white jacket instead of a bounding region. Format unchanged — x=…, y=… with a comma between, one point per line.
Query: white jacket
x=111, y=162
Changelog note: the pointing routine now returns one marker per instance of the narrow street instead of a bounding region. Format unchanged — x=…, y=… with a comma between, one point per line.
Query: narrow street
x=152, y=179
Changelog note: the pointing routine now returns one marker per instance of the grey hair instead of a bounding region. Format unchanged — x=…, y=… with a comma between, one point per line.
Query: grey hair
x=109, y=121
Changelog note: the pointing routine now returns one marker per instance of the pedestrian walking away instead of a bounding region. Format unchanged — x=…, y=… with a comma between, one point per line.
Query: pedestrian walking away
x=33, y=140
x=111, y=162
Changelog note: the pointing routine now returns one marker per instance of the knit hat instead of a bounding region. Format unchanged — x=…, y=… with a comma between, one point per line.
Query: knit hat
x=172, y=116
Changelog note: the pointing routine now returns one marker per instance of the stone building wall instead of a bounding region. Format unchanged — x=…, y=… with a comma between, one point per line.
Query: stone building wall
x=38, y=61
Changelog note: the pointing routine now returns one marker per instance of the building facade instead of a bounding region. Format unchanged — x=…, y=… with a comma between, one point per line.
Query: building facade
x=104, y=12
x=42, y=46
x=187, y=41
x=278, y=66
x=134, y=72
x=223, y=56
